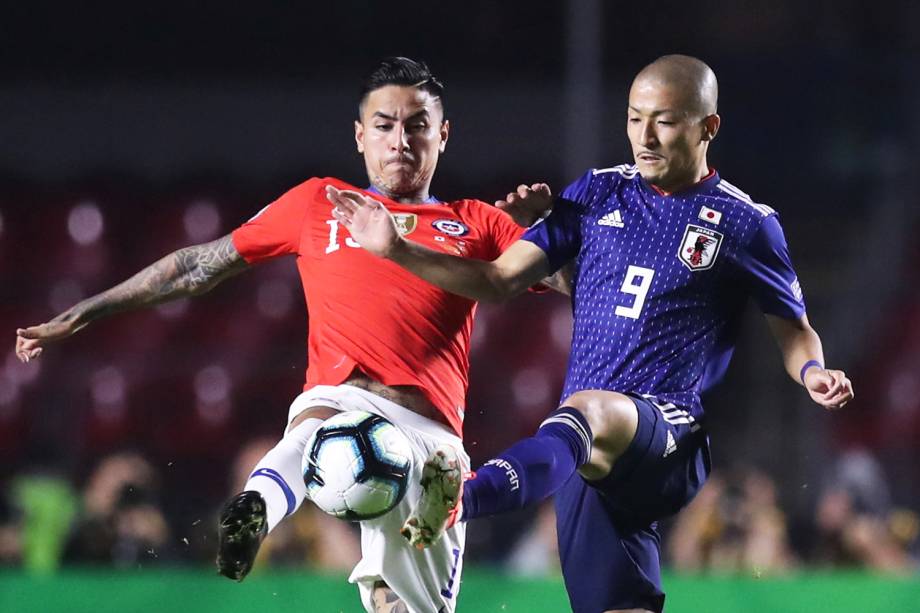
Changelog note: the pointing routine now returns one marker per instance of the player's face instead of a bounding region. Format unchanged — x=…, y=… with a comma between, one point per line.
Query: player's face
x=669, y=139
x=401, y=134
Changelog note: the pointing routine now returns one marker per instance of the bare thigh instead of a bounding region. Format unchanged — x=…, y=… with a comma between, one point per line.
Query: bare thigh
x=613, y=418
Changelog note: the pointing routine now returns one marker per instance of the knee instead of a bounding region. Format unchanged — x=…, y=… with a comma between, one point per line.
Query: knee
x=608, y=413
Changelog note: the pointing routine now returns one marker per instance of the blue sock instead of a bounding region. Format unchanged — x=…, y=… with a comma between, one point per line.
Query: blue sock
x=532, y=469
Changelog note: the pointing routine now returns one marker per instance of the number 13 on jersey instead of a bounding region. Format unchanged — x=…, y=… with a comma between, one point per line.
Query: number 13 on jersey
x=637, y=282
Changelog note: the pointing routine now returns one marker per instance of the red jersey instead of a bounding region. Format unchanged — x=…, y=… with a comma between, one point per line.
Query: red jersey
x=369, y=313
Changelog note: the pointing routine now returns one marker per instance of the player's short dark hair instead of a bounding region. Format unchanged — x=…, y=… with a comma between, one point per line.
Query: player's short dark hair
x=401, y=71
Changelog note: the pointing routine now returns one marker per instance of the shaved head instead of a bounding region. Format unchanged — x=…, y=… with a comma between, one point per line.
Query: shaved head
x=696, y=82
x=671, y=120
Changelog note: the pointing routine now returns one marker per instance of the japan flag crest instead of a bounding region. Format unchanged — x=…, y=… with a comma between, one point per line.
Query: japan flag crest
x=699, y=248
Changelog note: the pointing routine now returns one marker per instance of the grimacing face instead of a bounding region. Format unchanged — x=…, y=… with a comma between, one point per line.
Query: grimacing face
x=401, y=134
x=669, y=137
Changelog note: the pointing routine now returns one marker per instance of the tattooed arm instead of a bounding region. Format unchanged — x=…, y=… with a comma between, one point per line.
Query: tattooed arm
x=190, y=271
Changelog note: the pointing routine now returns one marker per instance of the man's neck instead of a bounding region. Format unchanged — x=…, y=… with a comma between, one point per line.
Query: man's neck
x=701, y=174
x=417, y=197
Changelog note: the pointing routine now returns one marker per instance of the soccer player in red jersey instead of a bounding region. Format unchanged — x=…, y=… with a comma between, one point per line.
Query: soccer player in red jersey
x=379, y=339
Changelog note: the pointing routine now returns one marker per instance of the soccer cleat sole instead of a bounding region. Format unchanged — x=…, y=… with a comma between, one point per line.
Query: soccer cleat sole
x=242, y=527
x=441, y=483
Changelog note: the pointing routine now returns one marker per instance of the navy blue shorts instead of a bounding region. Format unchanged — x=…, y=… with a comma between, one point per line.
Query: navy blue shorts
x=608, y=542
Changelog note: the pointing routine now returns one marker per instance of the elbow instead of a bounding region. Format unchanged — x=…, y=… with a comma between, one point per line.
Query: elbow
x=499, y=289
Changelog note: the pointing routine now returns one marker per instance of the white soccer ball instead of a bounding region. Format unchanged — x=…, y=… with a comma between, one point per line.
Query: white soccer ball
x=356, y=465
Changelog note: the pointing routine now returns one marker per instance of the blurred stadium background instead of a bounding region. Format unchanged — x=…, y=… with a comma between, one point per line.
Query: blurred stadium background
x=131, y=130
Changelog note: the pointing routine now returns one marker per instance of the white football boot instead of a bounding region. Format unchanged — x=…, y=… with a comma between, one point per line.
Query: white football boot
x=438, y=507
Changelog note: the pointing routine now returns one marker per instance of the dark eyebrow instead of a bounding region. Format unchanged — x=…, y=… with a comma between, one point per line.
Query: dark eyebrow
x=415, y=115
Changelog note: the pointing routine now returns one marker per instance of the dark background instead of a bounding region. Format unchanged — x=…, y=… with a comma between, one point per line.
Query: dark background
x=172, y=123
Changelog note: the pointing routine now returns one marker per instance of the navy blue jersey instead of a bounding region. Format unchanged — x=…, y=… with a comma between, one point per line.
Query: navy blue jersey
x=661, y=281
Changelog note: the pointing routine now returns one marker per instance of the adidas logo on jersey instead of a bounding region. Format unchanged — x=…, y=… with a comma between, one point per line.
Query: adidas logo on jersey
x=612, y=219
x=671, y=447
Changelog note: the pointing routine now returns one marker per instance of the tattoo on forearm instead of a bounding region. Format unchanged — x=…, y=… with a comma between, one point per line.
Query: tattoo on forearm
x=208, y=264
x=186, y=272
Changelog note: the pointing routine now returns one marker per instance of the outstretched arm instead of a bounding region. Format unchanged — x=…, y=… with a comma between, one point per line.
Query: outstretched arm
x=190, y=271
x=369, y=222
x=801, y=346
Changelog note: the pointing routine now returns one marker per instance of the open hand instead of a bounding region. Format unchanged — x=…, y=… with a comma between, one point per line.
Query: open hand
x=367, y=220
x=527, y=204
x=829, y=388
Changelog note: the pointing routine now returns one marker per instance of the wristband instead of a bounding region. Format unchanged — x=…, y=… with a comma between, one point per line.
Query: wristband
x=806, y=366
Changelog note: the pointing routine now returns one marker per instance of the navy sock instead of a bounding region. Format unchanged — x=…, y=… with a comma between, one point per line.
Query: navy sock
x=532, y=469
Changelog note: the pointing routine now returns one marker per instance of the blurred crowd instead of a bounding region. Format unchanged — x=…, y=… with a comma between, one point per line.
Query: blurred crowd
x=737, y=523
x=118, y=519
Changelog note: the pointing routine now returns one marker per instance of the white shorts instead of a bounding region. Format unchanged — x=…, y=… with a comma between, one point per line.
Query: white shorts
x=427, y=581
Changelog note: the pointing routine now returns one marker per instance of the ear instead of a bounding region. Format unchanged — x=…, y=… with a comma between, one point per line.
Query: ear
x=359, y=136
x=445, y=132
x=711, y=125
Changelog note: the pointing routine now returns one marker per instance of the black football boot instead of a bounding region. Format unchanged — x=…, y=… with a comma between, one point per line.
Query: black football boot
x=243, y=525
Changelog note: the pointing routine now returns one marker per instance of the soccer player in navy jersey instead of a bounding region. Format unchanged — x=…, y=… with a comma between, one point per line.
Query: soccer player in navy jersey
x=666, y=253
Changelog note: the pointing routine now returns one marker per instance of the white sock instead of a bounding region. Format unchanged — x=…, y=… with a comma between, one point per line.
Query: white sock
x=278, y=475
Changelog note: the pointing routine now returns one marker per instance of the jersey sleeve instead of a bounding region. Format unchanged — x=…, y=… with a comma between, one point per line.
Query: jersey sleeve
x=559, y=235
x=767, y=267
x=504, y=232
x=275, y=230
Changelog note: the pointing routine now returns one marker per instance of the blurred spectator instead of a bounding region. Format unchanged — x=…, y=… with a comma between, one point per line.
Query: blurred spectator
x=48, y=505
x=536, y=553
x=121, y=523
x=10, y=534
x=848, y=537
x=734, y=524
x=308, y=538
x=854, y=523
x=859, y=473
x=904, y=526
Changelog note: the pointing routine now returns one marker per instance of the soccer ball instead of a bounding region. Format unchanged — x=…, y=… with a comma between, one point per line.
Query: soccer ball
x=356, y=465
